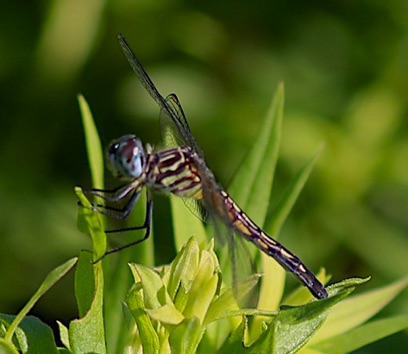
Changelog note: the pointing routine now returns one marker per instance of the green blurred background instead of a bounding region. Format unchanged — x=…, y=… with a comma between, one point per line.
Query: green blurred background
x=344, y=65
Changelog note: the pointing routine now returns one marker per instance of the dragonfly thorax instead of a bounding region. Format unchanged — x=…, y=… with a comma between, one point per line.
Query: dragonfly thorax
x=126, y=157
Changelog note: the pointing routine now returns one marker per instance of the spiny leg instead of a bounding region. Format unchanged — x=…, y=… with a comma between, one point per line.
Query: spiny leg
x=115, y=212
x=116, y=194
x=146, y=225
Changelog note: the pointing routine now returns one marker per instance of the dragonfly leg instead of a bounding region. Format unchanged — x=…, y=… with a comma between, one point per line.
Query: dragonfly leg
x=118, y=213
x=146, y=225
x=114, y=195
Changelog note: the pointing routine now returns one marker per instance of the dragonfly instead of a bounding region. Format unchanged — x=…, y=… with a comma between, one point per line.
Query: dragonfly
x=182, y=171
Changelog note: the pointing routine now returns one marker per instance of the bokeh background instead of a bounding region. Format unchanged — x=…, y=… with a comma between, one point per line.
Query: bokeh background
x=345, y=69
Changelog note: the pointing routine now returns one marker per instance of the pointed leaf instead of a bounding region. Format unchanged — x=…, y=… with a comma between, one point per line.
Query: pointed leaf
x=290, y=196
x=252, y=184
x=293, y=327
x=357, y=309
x=166, y=314
x=146, y=331
x=64, y=335
x=183, y=269
x=48, y=282
x=235, y=342
x=363, y=335
x=155, y=294
x=90, y=222
x=185, y=338
x=273, y=281
x=93, y=143
x=203, y=289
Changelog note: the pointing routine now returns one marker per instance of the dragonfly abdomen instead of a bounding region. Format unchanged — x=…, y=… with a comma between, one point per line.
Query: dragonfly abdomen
x=173, y=171
x=243, y=225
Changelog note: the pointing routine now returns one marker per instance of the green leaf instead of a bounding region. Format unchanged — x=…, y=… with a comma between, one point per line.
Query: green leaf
x=184, y=267
x=87, y=335
x=185, y=338
x=166, y=314
x=293, y=327
x=48, y=282
x=357, y=309
x=273, y=280
x=118, y=280
x=292, y=192
x=90, y=222
x=181, y=273
x=363, y=335
x=93, y=143
x=235, y=342
x=64, y=334
x=147, y=333
x=274, y=273
x=155, y=294
x=32, y=336
x=204, y=287
x=84, y=283
x=251, y=189
x=252, y=184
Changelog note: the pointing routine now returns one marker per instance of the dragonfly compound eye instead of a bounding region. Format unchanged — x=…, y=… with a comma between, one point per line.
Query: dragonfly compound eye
x=126, y=157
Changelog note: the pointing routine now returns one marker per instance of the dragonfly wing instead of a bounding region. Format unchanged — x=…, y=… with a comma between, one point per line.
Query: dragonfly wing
x=174, y=126
x=235, y=259
x=170, y=107
x=237, y=264
x=176, y=132
x=242, y=269
x=197, y=208
x=172, y=135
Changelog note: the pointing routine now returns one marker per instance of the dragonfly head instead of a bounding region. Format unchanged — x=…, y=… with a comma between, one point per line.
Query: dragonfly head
x=126, y=157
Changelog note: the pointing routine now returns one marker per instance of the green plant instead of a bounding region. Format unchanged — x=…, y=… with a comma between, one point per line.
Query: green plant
x=185, y=307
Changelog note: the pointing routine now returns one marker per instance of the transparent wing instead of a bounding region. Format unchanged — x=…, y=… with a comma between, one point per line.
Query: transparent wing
x=170, y=107
x=236, y=262
x=174, y=126
x=235, y=258
x=197, y=208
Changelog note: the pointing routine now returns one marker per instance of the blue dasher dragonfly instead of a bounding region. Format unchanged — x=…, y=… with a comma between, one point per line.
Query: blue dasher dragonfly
x=183, y=172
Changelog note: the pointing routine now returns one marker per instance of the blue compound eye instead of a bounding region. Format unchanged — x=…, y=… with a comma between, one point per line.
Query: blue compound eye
x=126, y=157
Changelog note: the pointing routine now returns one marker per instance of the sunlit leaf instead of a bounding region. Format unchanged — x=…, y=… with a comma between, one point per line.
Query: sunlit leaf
x=147, y=333
x=357, y=309
x=87, y=334
x=93, y=143
x=252, y=184
x=363, y=335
